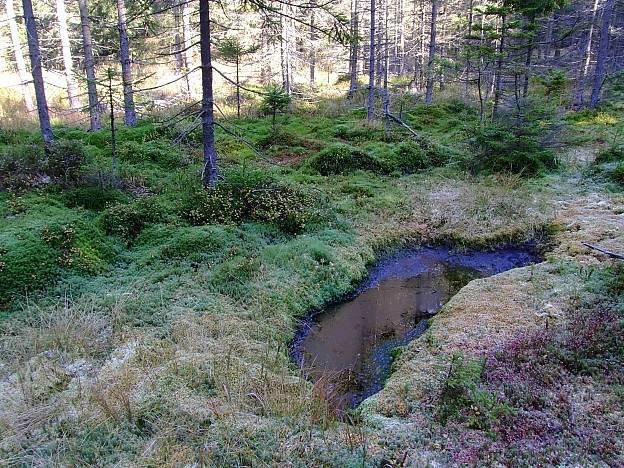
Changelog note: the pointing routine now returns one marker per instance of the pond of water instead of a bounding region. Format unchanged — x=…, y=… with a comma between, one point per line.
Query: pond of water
x=350, y=344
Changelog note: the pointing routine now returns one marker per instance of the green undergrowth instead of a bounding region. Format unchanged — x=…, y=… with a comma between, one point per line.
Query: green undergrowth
x=609, y=165
x=42, y=240
x=221, y=276
x=345, y=173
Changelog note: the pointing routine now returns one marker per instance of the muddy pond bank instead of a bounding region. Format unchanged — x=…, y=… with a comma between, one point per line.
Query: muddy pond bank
x=349, y=344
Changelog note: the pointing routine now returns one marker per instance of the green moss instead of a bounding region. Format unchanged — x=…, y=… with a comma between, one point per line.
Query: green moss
x=26, y=264
x=93, y=198
x=127, y=221
x=43, y=239
x=344, y=159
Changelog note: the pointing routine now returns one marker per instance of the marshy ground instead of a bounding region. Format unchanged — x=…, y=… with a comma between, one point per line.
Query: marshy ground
x=150, y=324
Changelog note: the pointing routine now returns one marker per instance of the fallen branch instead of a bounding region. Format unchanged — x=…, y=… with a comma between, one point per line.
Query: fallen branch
x=406, y=126
x=604, y=251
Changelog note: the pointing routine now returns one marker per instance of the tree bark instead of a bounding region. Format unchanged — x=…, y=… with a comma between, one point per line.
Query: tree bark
x=423, y=40
x=177, y=37
x=209, y=173
x=498, y=79
x=529, y=55
x=353, y=49
x=87, y=43
x=432, y=52
x=467, y=62
x=401, y=38
x=72, y=89
x=265, y=67
x=285, y=50
x=371, y=64
x=579, y=97
x=386, y=94
x=37, y=73
x=603, y=52
x=379, y=57
x=188, y=47
x=130, y=118
x=312, y=48
x=22, y=73
x=238, y=97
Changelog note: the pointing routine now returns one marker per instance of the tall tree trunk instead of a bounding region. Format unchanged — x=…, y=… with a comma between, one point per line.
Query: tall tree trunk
x=423, y=40
x=371, y=64
x=529, y=56
x=468, y=35
x=285, y=51
x=603, y=52
x=379, y=50
x=265, y=66
x=187, y=39
x=72, y=89
x=386, y=95
x=498, y=79
x=400, y=39
x=579, y=97
x=37, y=73
x=312, y=49
x=432, y=52
x=22, y=73
x=209, y=173
x=130, y=118
x=87, y=44
x=180, y=53
x=353, y=49
x=177, y=37
x=238, y=97
x=549, y=36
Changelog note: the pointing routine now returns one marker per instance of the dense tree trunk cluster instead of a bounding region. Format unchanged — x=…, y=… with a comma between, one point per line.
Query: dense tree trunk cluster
x=490, y=51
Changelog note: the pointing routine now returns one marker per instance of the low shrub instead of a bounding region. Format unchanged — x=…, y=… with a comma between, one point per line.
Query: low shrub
x=343, y=159
x=93, y=198
x=357, y=132
x=127, y=221
x=499, y=148
x=464, y=399
x=143, y=132
x=249, y=196
x=195, y=242
x=411, y=157
x=26, y=166
x=79, y=245
x=612, y=154
x=21, y=166
x=280, y=137
x=13, y=136
x=157, y=152
x=617, y=174
x=65, y=159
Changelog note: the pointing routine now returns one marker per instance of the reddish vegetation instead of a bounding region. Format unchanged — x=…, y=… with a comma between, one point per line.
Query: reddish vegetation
x=561, y=386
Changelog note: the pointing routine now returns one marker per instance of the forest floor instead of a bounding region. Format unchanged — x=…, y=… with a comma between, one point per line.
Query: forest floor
x=133, y=334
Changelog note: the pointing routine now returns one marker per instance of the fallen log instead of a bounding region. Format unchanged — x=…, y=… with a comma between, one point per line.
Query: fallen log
x=604, y=251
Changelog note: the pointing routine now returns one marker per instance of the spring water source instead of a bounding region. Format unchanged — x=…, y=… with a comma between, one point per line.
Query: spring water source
x=349, y=345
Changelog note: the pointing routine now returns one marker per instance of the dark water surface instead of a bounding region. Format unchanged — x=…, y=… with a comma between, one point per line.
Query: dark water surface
x=350, y=345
